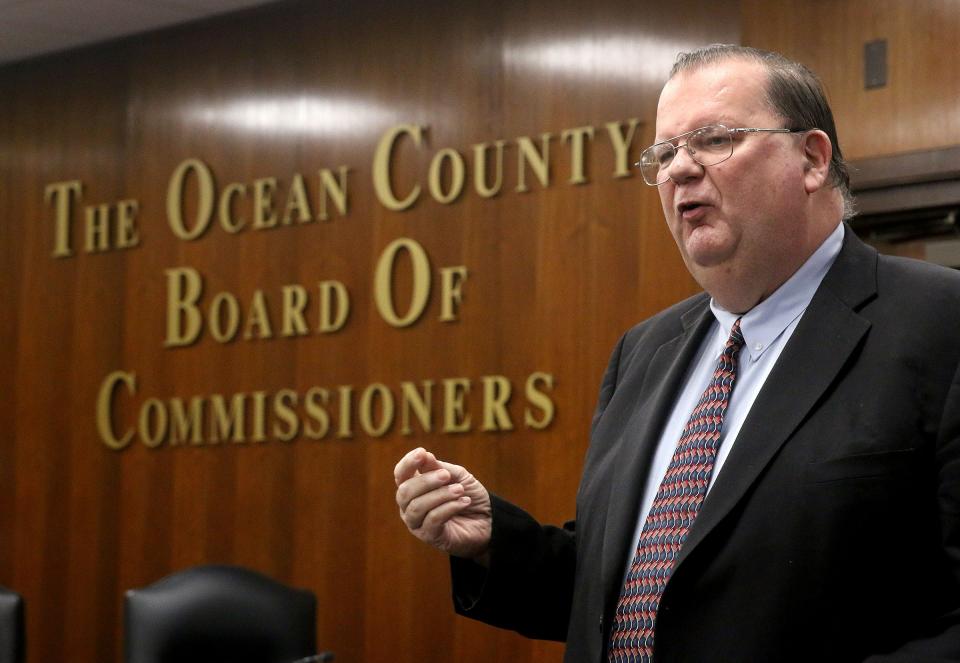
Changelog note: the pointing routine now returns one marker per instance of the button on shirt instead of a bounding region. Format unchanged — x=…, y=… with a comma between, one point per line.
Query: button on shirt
x=766, y=329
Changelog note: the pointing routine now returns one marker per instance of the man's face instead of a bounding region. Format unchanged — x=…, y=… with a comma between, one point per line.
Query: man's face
x=737, y=223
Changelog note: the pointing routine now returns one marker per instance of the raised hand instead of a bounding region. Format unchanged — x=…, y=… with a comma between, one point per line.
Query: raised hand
x=444, y=505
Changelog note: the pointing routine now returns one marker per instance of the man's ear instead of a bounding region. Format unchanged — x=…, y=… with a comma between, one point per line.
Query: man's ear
x=817, y=151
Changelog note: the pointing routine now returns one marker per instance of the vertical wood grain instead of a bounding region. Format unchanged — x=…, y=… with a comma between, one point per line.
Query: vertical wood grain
x=556, y=274
x=916, y=110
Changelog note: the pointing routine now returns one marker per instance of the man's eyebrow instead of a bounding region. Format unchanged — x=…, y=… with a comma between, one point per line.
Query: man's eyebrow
x=685, y=131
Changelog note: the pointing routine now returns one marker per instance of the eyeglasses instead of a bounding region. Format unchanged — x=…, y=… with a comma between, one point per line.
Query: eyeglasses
x=708, y=146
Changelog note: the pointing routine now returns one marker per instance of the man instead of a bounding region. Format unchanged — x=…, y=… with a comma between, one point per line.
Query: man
x=811, y=509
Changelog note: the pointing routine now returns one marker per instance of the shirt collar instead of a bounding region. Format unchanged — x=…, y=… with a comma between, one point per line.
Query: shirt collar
x=764, y=323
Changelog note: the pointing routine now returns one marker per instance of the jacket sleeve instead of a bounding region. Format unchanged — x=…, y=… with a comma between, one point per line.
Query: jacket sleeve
x=940, y=641
x=529, y=585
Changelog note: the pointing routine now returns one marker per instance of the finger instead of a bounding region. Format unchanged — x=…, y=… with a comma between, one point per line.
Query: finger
x=431, y=529
x=418, y=509
x=458, y=472
x=409, y=464
x=420, y=484
x=430, y=462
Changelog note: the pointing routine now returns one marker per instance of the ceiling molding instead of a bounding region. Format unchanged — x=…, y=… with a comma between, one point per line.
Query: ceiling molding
x=35, y=28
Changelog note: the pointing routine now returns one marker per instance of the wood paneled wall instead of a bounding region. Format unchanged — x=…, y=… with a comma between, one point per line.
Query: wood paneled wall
x=555, y=275
x=917, y=109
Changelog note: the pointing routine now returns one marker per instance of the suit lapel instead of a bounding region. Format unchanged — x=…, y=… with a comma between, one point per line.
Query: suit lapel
x=828, y=333
x=654, y=399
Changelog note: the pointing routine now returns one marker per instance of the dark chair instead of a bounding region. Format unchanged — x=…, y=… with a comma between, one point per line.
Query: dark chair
x=219, y=614
x=11, y=627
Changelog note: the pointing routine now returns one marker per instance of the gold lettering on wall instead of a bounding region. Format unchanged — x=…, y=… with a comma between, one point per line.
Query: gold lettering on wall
x=152, y=424
x=127, y=234
x=186, y=321
x=224, y=317
x=264, y=215
x=205, y=195
x=287, y=424
x=539, y=161
x=345, y=427
x=483, y=189
x=297, y=202
x=456, y=179
x=334, y=190
x=107, y=226
x=621, y=145
x=447, y=171
x=186, y=423
x=98, y=227
x=105, y=408
x=61, y=195
x=261, y=199
x=536, y=396
x=261, y=416
x=227, y=421
x=576, y=138
x=192, y=197
x=455, y=418
x=258, y=318
x=334, y=306
x=294, y=302
x=225, y=208
x=318, y=421
x=383, y=279
x=184, y=287
x=382, y=158
x=496, y=394
x=451, y=292
x=193, y=202
x=417, y=401
x=368, y=405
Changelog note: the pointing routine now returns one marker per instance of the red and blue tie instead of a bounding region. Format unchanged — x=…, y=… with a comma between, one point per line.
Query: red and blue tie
x=674, y=509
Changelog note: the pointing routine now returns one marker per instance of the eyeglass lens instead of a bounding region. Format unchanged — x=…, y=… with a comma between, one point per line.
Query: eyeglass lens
x=707, y=146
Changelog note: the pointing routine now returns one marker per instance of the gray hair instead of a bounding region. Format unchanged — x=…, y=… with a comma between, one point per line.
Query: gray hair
x=793, y=91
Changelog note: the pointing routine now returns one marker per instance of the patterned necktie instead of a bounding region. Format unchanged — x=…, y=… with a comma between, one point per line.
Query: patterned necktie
x=674, y=509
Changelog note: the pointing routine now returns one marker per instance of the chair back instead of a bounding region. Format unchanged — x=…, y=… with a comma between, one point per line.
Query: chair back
x=219, y=614
x=11, y=627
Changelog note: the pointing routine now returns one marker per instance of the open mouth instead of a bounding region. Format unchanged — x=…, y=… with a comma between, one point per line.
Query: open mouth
x=683, y=208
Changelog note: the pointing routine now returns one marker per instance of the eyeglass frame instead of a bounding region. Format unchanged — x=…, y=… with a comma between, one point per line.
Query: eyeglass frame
x=730, y=132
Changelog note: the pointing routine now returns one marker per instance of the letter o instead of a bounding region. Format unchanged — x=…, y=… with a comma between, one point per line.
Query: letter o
x=221, y=331
x=204, y=200
x=383, y=278
x=153, y=409
x=366, y=409
x=457, y=170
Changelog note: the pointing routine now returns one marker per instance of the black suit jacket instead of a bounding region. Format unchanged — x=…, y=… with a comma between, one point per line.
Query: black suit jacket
x=832, y=532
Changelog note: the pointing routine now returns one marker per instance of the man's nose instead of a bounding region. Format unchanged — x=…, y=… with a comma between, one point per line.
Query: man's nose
x=684, y=167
